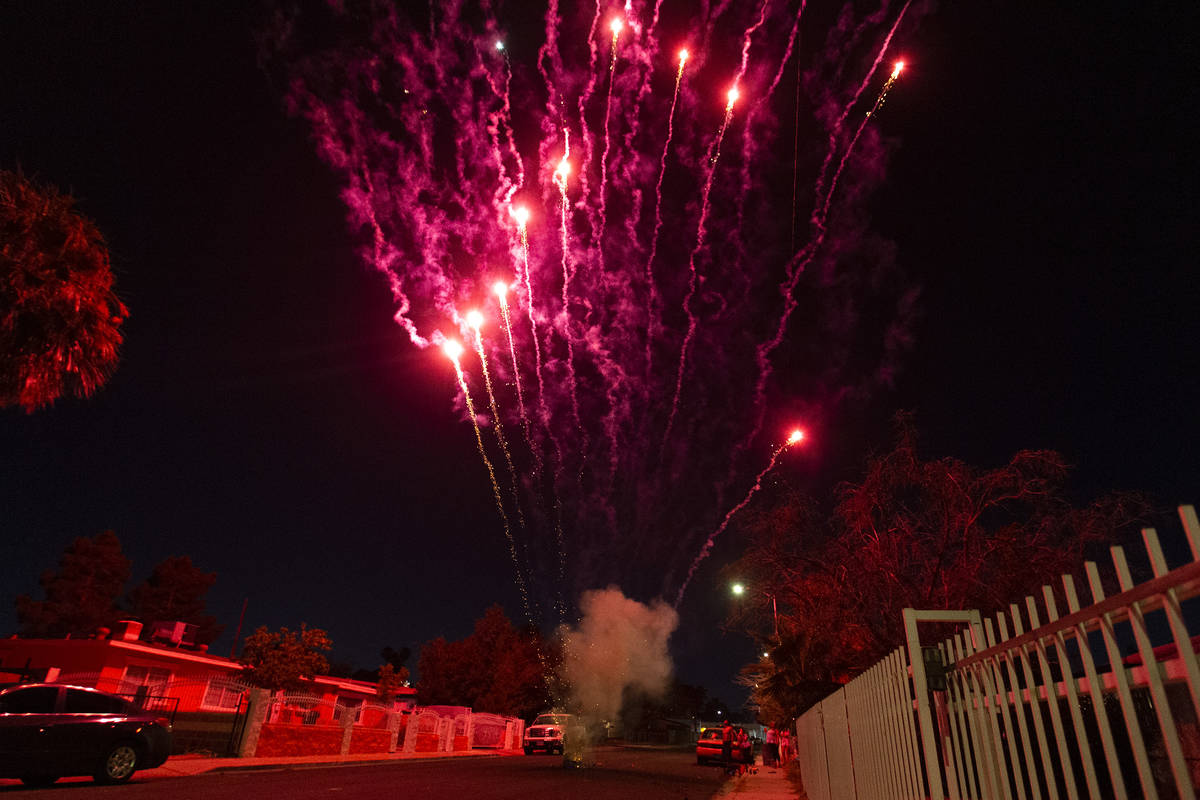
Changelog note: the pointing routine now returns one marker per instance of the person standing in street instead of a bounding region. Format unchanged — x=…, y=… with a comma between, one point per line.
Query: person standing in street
x=745, y=752
x=727, y=743
x=771, y=752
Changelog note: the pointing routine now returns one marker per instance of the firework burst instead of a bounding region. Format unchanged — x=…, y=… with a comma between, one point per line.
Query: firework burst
x=466, y=140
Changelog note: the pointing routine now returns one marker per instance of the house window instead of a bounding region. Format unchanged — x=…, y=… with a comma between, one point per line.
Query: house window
x=143, y=681
x=221, y=694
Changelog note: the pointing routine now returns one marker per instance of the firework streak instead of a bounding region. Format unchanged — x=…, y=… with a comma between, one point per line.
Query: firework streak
x=475, y=320
x=651, y=288
x=471, y=141
x=501, y=291
x=453, y=351
x=795, y=438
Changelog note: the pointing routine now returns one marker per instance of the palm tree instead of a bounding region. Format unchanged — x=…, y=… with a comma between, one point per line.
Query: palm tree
x=59, y=318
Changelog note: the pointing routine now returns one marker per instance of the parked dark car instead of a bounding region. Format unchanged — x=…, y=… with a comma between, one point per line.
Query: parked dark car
x=48, y=731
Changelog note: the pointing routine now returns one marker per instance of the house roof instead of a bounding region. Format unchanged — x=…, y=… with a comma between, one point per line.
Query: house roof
x=14, y=646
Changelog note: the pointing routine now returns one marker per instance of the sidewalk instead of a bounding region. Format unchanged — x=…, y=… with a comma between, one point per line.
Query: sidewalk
x=768, y=783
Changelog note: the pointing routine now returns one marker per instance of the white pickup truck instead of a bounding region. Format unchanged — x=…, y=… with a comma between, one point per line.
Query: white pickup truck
x=546, y=733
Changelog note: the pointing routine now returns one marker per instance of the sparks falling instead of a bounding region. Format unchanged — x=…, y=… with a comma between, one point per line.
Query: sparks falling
x=475, y=320
x=896, y=70
x=500, y=289
x=453, y=351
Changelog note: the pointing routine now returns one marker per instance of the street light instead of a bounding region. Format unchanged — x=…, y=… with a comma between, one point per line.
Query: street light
x=739, y=589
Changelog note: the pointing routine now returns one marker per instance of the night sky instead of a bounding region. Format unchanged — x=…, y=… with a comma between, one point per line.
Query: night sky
x=270, y=420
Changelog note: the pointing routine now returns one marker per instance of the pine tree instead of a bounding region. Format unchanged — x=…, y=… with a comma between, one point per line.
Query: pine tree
x=82, y=595
x=175, y=592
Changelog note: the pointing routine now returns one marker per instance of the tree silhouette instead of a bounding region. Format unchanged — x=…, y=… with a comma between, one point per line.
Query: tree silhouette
x=281, y=660
x=82, y=595
x=59, y=318
x=174, y=592
x=393, y=659
x=496, y=669
x=389, y=681
x=913, y=533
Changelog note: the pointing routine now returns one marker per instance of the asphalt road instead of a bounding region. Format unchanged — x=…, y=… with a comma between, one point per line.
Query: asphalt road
x=619, y=774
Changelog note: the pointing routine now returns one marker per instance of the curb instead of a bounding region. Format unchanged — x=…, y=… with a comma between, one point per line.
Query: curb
x=357, y=762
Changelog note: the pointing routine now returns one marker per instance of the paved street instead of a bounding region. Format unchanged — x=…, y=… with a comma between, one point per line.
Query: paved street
x=620, y=774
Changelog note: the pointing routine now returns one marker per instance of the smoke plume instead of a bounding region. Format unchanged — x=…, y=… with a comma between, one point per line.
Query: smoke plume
x=619, y=644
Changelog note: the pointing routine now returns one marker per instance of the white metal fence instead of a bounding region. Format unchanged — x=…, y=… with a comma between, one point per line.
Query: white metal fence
x=1100, y=702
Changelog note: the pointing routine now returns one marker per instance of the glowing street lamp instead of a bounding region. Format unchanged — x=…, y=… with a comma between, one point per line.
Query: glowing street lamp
x=738, y=589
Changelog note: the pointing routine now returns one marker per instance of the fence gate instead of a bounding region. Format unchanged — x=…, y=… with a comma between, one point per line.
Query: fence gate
x=238, y=726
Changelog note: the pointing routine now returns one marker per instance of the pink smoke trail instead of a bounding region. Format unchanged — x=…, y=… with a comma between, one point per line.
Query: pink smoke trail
x=585, y=158
x=854, y=140
x=612, y=79
x=648, y=54
x=836, y=130
x=652, y=293
x=500, y=127
x=708, y=544
x=383, y=264
x=749, y=140
x=692, y=321
x=560, y=180
x=800, y=260
x=694, y=281
x=550, y=68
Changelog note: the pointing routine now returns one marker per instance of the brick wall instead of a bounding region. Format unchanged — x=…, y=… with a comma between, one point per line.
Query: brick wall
x=370, y=740
x=299, y=740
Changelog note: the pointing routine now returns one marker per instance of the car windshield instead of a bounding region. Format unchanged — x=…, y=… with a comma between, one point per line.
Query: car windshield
x=711, y=733
x=551, y=719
